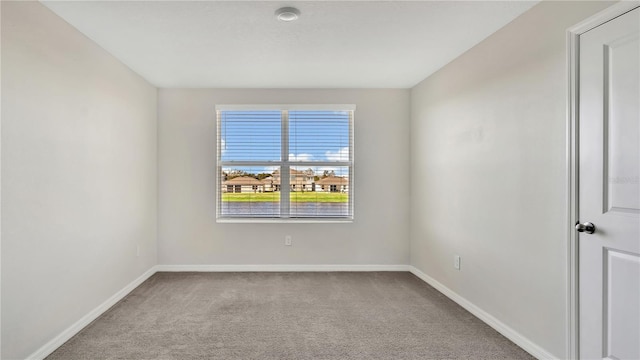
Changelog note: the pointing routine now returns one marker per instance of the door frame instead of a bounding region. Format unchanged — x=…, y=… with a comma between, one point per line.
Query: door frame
x=572, y=127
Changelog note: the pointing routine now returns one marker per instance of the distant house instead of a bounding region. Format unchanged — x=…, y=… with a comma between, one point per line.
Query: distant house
x=268, y=184
x=243, y=184
x=333, y=184
x=298, y=180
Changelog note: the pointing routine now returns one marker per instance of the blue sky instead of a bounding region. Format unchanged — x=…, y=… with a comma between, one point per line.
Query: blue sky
x=313, y=136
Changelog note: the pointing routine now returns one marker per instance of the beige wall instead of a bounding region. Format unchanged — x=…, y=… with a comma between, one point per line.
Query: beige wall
x=78, y=176
x=188, y=230
x=488, y=147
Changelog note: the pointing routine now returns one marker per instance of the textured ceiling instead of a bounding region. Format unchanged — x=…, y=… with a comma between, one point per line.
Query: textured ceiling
x=240, y=44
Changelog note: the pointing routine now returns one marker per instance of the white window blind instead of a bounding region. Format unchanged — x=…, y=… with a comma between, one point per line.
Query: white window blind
x=283, y=162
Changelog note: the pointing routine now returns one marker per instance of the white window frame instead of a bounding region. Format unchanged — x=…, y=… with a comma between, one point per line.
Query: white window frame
x=284, y=163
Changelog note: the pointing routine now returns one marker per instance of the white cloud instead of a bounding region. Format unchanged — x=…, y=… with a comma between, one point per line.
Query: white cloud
x=300, y=157
x=253, y=170
x=340, y=155
x=222, y=146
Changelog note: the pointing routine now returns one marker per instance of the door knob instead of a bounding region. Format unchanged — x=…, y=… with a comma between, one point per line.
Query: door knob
x=587, y=227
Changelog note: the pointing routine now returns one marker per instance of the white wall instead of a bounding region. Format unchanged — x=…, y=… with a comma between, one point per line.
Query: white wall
x=488, y=144
x=79, y=175
x=188, y=232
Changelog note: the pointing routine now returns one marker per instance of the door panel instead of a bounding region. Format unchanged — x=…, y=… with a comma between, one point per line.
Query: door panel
x=609, y=189
x=622, y=132
x=621, y=305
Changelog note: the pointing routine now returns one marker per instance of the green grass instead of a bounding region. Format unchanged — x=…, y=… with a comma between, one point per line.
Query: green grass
x=308, y=196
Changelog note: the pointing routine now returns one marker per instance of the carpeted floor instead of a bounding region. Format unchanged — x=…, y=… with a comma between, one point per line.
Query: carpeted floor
x=334, y=315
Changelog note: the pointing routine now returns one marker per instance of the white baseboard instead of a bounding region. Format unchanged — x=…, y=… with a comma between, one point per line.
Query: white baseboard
x=72, y=330
x=496, y=324
x=280, y=268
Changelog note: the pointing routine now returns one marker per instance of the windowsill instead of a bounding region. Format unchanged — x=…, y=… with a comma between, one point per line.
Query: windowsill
x=283, y=221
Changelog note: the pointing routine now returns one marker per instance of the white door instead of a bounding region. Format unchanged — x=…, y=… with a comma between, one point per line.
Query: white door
x=609, y=189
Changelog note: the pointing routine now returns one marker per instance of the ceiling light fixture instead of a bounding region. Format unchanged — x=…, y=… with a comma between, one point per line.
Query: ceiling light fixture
x=287, y=14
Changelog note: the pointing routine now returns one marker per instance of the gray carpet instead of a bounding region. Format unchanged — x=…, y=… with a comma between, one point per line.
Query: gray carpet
x=334, y=315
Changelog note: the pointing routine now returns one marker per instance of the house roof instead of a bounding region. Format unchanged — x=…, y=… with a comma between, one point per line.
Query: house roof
x=243, y=180
x=333, y=180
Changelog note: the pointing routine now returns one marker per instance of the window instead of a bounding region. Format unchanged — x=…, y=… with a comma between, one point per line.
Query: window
x=285, y=162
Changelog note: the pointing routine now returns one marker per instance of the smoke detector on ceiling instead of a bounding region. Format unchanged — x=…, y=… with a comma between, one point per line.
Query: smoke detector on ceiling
x=287, y=14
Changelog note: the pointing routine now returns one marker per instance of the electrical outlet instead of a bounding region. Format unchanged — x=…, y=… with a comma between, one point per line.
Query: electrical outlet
x=456, y=262
x=287, y=240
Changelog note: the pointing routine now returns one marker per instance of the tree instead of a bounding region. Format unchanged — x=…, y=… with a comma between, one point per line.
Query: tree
x=328, y=173
x=232, y=174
